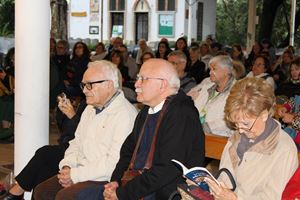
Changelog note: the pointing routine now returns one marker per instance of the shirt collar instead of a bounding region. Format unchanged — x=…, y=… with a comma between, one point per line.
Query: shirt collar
x=157, y=108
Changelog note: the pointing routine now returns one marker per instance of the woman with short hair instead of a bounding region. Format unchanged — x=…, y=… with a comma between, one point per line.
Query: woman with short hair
x=260, y=155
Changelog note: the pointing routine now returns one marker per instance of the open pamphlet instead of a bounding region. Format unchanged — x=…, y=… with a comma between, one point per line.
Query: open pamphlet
x=196, y=174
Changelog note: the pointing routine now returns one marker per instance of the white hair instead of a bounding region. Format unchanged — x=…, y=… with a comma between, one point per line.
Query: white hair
x=223, y=61
x=110, y=71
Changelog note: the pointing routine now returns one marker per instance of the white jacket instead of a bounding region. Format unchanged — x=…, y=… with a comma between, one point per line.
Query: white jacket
x=214, y=108
x=94, y=152
x=268, y=78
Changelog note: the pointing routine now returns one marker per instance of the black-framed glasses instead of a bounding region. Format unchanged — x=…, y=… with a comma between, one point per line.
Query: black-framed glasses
x=247, y=129
x=89, y=85
x=144, y=78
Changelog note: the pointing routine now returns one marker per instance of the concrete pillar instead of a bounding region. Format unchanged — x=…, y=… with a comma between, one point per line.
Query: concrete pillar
x=251, y=24
x=32, y=33
x=292, y=23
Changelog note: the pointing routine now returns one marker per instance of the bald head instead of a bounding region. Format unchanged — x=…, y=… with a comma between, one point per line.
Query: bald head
x=157, y=80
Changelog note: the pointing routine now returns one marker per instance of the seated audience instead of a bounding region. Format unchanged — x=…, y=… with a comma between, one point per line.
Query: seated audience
x=76, y=68
x=179, y=61
x=259, y=155
x=196, y=67
x=291, y=87
x=146, y=56
x=211, y=94
x=256, y=50
x=181, y=45
x=205, y=54
x=237, y=53
x=100, y=52
x=143, y=48
x=44, y=164
x=239, y=70
x=9, y=62
x=281, y=69
x=168, y=121
x=163, y=50
x=7, y=86
x=104, y=125
x=261, y=69
x=129, y=62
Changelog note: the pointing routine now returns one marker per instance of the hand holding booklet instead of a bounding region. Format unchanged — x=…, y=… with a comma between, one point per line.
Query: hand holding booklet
x=196, y=174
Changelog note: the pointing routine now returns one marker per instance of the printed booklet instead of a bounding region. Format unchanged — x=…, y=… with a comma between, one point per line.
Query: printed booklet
x=196, y=174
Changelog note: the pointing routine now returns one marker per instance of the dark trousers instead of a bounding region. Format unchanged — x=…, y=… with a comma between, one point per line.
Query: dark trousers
x=43, y=165
x=91, y=193
x=51, y=189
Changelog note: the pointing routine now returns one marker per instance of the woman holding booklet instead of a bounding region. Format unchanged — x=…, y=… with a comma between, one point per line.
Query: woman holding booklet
x=260, y=156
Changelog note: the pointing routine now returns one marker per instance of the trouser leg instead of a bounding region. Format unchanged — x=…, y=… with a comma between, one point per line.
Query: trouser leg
x=47, y=190
x=43, y=165
x=72, y=192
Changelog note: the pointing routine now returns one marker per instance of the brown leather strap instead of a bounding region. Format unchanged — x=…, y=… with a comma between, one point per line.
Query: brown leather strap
x=152, y=148
x=137, y=146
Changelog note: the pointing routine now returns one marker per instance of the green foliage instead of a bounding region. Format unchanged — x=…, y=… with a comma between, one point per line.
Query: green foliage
x=232, y=21
x=7, y=17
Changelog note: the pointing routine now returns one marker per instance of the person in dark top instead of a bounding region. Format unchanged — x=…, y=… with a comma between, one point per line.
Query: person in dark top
x=292, y=86
x=196, y=67
x=44, y=163
x=76, y=69
x=163, y=50
x=9, y=62
x=181, y=45
x=168, y=121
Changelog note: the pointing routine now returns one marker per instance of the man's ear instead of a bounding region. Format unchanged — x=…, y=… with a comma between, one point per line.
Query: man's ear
x=163, y=85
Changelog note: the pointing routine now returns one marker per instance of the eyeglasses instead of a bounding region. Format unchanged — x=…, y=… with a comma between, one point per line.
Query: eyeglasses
x=246, y=129
x=89, y=85
x=144, y=78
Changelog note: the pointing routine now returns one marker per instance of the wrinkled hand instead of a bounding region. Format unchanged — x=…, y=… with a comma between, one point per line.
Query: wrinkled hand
x=110, y=191
x=220, y=192
x=66, y=107
x=288, y=118
x=64, y=177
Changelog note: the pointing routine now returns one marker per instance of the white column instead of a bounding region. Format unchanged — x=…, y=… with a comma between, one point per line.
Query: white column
x=32, y=79
x=292, y=23
x=190, y=22
x=251, y=24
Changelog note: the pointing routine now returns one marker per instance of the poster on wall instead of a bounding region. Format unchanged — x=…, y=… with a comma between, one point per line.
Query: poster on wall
x=94, y=6
x=94, y=13
x=166, y=25
x=117, y=31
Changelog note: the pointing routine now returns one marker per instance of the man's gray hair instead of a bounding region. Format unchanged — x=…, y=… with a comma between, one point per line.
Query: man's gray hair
x=110, y=71
x=223, y=61
x=174, y=81
x=178, y=54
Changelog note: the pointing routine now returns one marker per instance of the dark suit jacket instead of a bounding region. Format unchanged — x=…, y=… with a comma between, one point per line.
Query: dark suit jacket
x=180, y=136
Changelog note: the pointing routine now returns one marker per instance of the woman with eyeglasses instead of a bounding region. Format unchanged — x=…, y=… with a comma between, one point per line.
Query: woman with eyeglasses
x=261, y=68
x=260, y=155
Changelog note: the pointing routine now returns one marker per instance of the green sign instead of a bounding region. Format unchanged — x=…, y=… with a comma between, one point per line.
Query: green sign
x=166, y=25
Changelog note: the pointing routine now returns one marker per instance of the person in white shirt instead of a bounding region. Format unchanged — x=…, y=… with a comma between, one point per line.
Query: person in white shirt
x=104, y=125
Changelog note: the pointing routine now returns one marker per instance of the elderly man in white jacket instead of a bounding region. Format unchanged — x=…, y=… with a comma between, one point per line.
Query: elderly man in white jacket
x=211, y=94
x=93, y=153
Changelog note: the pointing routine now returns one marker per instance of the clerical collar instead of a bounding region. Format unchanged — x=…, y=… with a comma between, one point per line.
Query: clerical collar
x=98, y=110
x=157, y=108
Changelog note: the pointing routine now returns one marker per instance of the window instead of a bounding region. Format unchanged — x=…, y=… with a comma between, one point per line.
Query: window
x=166, y=5
x=117, y=5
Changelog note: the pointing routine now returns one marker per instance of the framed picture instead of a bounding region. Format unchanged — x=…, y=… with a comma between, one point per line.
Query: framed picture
x=94, y=30
x=166, y=25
